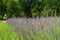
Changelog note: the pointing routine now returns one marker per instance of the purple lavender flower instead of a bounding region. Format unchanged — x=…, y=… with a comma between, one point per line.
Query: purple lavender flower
x=33, y=31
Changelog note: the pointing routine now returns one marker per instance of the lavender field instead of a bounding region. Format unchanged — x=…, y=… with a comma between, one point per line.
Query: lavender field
x=36, y=28
x=29, y=19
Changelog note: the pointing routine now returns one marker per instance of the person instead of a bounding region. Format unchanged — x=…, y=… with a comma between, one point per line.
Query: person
x=5, y=18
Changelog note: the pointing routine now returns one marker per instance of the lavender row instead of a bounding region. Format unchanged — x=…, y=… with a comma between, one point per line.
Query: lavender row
x=36, y=23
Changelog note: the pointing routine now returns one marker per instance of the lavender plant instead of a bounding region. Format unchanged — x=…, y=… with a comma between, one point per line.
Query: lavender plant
x=36, y=28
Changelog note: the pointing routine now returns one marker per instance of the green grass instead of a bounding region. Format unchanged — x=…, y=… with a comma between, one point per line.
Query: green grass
x=3, y=26
x=6, y=32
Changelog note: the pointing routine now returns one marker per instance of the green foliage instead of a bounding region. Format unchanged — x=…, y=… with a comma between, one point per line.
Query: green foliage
x=29, y=8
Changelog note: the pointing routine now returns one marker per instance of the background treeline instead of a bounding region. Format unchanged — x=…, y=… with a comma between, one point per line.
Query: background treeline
x=29, y=8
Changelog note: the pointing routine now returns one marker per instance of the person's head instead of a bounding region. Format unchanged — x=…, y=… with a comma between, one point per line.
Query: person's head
x=5, y=15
